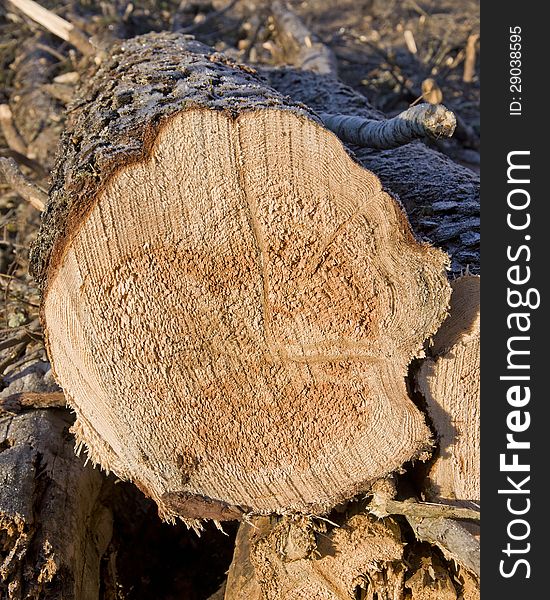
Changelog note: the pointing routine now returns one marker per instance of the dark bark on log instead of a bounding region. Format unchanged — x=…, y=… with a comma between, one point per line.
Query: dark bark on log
x=54, y=527
x=441, y=197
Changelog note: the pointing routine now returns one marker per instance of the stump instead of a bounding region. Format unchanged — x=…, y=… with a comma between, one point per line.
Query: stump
x=230, y=302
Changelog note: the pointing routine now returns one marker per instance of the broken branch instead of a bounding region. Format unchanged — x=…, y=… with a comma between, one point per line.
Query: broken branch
x=453, y=540
x=56, y=25
x=429, y=523
x=11, y=135
x=381, y=507
x=309, y=53
x=424, y=120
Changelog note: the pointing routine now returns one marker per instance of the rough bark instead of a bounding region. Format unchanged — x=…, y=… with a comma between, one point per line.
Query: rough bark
x=441, y=197
x=193, y=197
x=54, y=527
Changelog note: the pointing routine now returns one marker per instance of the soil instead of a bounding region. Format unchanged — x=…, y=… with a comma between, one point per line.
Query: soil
x=148, y=559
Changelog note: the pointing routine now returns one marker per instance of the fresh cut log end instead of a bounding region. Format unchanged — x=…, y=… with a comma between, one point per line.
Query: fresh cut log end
x=232, y=313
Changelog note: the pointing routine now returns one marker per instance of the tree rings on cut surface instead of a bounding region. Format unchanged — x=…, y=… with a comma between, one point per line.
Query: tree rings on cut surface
x=230, y=301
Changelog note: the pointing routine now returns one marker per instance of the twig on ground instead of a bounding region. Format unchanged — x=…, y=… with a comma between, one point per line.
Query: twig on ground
x=24, y=160
x=51, y=51
x=410, y=41
x=23, y=186
x=393, y=69
x=418, y=8
x=470, y=61
x=14, y=340
x=11, y=135
x=59, y=91
x=24, y=359
x=56, y=25
x=424, y=120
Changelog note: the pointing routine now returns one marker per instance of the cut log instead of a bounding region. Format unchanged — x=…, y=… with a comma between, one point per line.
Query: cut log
x=288, y=561
x=230, y=302
x=449, y=382
x=54, y=527
x=361, y=557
